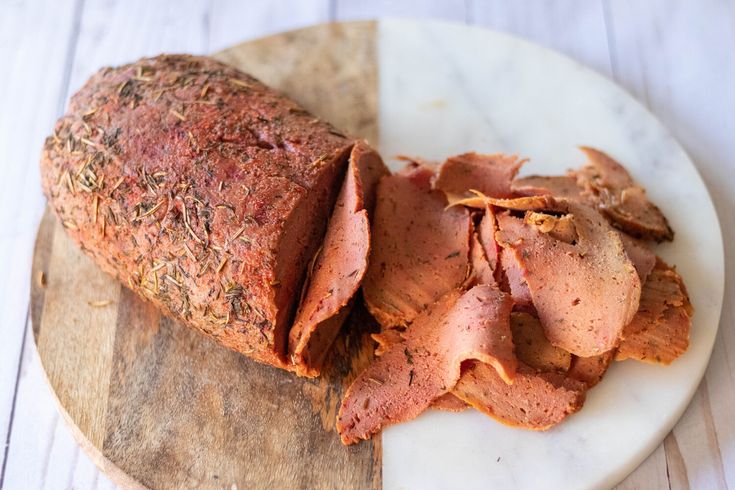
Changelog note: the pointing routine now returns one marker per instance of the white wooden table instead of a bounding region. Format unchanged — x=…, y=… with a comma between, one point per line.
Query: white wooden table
x=676, y=56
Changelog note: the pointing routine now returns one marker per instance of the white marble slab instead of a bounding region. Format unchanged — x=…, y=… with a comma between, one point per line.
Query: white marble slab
x=446, y=89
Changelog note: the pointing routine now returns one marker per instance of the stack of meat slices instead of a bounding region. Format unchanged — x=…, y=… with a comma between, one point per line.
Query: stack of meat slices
x=510, y=295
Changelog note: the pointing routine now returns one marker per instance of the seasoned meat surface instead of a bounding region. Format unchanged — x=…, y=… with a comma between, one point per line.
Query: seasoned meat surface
x=203, y=190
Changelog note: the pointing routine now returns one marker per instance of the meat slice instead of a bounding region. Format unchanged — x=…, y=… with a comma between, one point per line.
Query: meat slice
x=607, y=184
x=486, y=235
x=420, y=251
x=532, y=346
x=514, y=278
x=590, y=370
x=535, y=400
x=562, y=186
x=203, y=190
x=489, y=174
x=640, y=255
x=584, y=293
x=659, y=332
x=481, y=271
x=340, y=265
x=449, y=403
x=425, y=365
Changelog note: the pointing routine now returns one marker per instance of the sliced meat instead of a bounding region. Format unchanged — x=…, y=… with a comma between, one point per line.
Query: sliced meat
x=514, y=278
x=486, y=235
x=562, y=186
x=490, y=174
x=532, y=346
x=420, y=251
x=606, y=183
x=340, y=265
x=659, y=332
x=590, y=370
x=560, y=227
x=640, y=255
x=449, y=403
x=385, y=338
x=411, y=374
x=535, y=400
x=481, y=272
x=584, y=293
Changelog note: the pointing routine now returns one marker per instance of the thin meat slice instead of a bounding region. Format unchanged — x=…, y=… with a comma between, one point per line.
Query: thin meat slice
x=339, y=267
x=562, y=186
x=584, y=293
x=385, y=338
x=514, y=278
x=486, y=235
x=449, y=403
x=481, y=272
x=607, y=184
x=420, y=251
x=659, y=332
x=535, y=400
x=490, y=174
x=425, y=365
x=532, y=346
x=590, y=370
x=562, y=228
x=640, y=255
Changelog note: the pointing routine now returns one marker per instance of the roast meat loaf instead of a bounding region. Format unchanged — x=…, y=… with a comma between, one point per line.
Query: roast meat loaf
x=202, y=189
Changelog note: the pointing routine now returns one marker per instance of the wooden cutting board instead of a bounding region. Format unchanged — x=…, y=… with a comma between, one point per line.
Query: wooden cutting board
x=157, y=405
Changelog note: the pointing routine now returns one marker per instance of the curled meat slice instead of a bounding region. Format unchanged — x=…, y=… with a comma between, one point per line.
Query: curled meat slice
x=590, y=370
x=584, y=293
x=339, y=266
x=562, y=186
x=419, y=251
x=640, y=255
x=425, y=365
x=659, y=332
x=490, y=174
x=532, y=346
x=607, y=184
x=535, y=400
x=514, y=278
x=449, y=403
x=481, y=272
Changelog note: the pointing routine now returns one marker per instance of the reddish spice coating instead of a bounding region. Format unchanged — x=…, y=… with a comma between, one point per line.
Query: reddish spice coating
x=535, y=400
x=200, y=188
x=489, y=174
x=339, y=267
x=420, y=251
x=584, y=293
x=606, y=184
x=659, y=332
x=411, y=374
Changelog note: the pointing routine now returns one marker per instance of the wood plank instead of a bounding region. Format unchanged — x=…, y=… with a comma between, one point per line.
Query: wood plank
x=670, y=54
x=574, y=28
x=29, y=106
x=650, y=474
x=454, y=10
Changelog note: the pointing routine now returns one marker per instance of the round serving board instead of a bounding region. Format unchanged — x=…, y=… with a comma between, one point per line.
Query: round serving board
x=157, y=405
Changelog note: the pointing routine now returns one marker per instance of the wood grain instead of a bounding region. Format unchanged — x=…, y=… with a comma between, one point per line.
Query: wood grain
x=159, y=405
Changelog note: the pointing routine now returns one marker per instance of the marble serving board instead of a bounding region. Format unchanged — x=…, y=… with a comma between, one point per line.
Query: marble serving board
x=424, y=89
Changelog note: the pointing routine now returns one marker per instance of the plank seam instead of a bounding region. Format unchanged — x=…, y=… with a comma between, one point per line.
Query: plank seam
x=607, y=18
x=66, y=78
x=15, y=398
